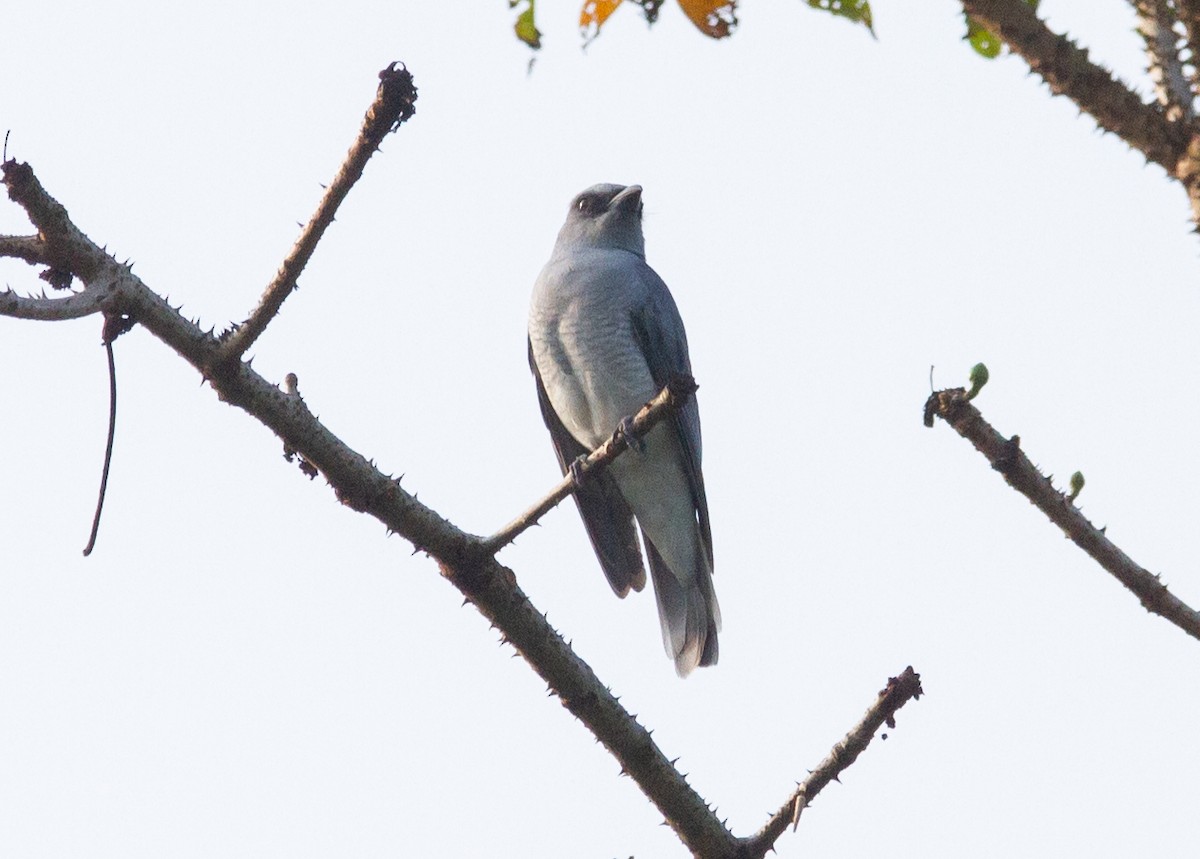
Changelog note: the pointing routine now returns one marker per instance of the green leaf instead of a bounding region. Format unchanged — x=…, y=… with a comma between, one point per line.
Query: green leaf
x=858, y=11
x=1077, y=482
x=525, y=27
x=978, y=378
x=986, y=43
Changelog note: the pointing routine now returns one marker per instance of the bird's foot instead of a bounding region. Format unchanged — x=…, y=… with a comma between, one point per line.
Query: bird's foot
x=575, y=469
x=632, y=440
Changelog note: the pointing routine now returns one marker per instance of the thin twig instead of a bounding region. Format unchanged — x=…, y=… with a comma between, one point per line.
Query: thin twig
x=108, y=447
x=898, y=692
x=1006, y=456
x=394, y=103
x=666, y=402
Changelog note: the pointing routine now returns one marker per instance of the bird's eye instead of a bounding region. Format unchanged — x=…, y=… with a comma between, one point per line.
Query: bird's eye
x=584, y=205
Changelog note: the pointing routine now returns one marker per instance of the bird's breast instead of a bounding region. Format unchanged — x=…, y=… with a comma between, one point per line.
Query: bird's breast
x=590, y=362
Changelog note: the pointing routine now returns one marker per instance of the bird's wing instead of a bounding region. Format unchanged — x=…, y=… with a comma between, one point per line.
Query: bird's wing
x=659, y=331
x=604, y=510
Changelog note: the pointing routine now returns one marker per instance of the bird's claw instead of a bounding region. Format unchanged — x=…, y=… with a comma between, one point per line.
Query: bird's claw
x=575, y=469
x=632, y=440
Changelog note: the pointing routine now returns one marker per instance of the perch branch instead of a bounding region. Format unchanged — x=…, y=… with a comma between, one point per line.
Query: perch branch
x=898, y=692
x=394, y=103
x=666, y=402
x=462, y=558
x=1006, y=456
x=1067, y=70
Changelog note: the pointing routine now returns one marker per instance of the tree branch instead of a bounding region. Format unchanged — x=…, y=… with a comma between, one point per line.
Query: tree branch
x=1006, y=456
x=29, y=248
x=462, y=558
x=466, y=560
x=898, y=692
x=394, y=103
x=1068, y=71
x=52, y=309
x=666, y=402
x=1156, y=25
x=64, y=245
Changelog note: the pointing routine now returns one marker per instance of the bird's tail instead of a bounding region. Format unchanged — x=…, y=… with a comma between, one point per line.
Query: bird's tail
x=687, y=611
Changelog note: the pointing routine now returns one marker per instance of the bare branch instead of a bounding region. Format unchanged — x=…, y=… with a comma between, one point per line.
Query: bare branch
x=669, y=400
x=52, y=309
x=462, y=558
x=1006, y=456
x=65, y=246
x=394, y=103
x=1156, y=25
x=29, y=248
x=898, y=692
x=1066, y=68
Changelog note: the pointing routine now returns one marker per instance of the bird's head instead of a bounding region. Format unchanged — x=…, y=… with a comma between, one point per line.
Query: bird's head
x=606, y=216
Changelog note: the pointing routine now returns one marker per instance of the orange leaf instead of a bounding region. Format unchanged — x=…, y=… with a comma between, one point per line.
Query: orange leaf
x=593, y=15
x=715, y=18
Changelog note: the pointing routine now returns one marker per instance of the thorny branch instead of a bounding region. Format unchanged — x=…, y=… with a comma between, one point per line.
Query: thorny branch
x=1068, y=71
x=1006, y=457
x=1166, y=133
x=898, y=692
x=395, y=102
x=462, y=558
x=467, y=561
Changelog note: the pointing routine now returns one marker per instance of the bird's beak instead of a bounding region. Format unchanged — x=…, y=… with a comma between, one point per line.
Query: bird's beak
x=628, y=199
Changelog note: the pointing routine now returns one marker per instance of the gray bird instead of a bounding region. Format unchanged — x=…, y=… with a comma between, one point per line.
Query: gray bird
x=604, y=338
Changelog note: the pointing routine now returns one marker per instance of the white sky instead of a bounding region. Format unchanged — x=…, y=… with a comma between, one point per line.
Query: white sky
x=243, y=668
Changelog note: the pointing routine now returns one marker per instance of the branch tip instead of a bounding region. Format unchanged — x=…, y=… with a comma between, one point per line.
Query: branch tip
x=896, y=693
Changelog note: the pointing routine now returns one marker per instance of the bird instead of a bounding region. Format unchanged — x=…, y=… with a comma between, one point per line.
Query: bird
x=605, y=336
